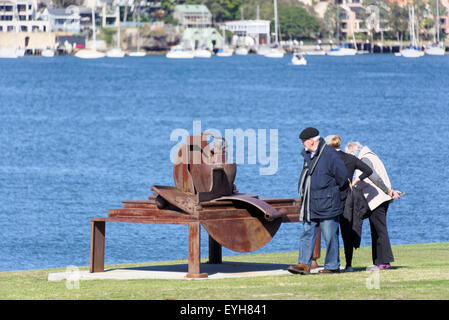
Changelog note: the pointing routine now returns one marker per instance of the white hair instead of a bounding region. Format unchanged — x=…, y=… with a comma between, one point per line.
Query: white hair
x=352, y=147
x=316, y=138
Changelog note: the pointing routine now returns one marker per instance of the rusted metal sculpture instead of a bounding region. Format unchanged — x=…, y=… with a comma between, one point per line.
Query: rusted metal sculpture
x=202, y=174
x=204, y=194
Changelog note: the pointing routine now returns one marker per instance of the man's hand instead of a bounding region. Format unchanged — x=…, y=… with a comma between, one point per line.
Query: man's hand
x=395, y=194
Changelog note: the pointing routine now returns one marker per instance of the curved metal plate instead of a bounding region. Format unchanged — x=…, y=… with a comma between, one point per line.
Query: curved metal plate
x=243, y=234
x=269, y=212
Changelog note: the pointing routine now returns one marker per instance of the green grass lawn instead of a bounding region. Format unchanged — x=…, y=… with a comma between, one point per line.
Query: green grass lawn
x=421, y=271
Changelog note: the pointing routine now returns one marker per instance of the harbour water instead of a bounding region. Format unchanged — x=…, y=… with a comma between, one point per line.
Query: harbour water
x=77, y=137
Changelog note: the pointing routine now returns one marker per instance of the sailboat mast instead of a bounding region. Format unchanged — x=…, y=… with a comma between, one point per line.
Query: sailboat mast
x=118, y=32
x=437, y=24
x=415, y=31
x=137, y=8
x=275, y=21
x=94, y=36
x=411, y=25
x=338, y=23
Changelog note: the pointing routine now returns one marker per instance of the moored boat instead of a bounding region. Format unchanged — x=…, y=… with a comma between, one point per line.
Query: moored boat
x=274, y=53
x=202, y=53
x=338, y=52
x=435, y=51
x=299, y=60
x=89, y=54
x=48, y=53
x=241, y=51
x=8, y=53
x=178, y=52
x=226, y=52
x=115, y=53
x=137, y=53
x=411, y=52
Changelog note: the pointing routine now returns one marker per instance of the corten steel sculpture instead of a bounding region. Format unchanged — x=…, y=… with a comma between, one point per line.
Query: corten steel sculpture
x=204, y=194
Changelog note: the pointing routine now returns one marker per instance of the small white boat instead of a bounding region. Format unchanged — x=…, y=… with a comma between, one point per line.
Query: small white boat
x=262, y=50
x=137, y=54
x=115, y=53
x=202, y=53
x=20, y=52
x=179, y=52
x=274, y=53
x=241, y=51
x=48, y=53
x=8, y=53
x=89, y=54
x=224, y=52
x=438, y=48
x=411, y=52
x=299, y=60
x=435, y=51
x=339, y=52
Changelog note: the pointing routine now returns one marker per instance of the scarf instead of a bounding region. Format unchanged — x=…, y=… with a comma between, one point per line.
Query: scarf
x=304, y=184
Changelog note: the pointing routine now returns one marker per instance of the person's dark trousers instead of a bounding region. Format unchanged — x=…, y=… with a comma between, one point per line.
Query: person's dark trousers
x=346, y=234
x=380, y=242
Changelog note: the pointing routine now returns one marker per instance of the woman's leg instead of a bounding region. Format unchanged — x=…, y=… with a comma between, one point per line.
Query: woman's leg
x=346, y=233
x=381, y=247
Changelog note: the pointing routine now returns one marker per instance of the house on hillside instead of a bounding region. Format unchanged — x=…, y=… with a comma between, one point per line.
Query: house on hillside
x=20, y=16
x=353, y=15
x=193, y=16
x=196, y=23
x=256, y=30
x=63, y=19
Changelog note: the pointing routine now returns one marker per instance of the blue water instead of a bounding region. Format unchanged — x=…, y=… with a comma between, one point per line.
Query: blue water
x=77, y=137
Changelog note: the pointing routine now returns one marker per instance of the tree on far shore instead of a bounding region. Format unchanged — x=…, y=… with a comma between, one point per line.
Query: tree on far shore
x=297, y=23
x=65, y=3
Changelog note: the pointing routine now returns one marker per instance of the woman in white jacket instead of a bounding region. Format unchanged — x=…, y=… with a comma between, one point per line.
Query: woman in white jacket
x=379, y=195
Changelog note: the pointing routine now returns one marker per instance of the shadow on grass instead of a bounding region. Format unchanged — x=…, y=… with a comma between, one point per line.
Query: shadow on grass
x=226, y=267
x=365, y=269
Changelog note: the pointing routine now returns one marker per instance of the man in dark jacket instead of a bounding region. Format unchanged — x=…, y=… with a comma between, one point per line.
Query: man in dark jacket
x=323, y=176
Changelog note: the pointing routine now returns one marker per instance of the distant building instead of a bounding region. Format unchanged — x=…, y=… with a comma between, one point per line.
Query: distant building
x=444, y=14
x=259, y=30
x=63, y=19
x=196, y=22
x=20, y=27
x=352, y=12
x=22, y=10
x=208, y=38
x=444, y=17
x=20, y=16
x=193, y=16
x=110, y=13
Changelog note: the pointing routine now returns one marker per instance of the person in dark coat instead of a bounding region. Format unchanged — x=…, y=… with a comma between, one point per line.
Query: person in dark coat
x=352, y=163
x=323, y=176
